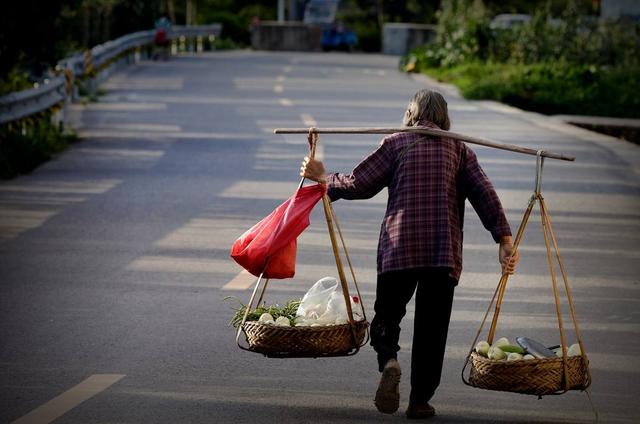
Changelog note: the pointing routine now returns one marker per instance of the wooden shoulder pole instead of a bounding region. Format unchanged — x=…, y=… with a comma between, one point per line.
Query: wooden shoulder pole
x=428, y=131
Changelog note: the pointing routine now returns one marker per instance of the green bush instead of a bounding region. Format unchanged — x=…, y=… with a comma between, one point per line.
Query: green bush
x=369, y=37
x=22, y=150
x=574, y=65
x=234, y=27
x=551, y=88
x=16, y=80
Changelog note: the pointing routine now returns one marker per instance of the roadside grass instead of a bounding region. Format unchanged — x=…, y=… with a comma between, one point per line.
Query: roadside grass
x=24, y=148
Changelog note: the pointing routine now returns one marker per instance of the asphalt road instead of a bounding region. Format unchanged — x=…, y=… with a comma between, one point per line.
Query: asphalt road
x=114, y=256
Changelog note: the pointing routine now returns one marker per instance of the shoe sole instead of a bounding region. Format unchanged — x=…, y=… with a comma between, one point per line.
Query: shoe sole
x=388, y=394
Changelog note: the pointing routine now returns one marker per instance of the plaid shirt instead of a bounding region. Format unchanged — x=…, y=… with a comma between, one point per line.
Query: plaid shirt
x=428, y=181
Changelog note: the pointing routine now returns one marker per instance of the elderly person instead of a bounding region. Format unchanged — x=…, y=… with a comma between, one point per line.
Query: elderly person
x=420, y=245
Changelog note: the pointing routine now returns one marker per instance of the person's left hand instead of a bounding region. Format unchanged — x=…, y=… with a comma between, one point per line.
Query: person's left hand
x=313, y=170
x=505, y=257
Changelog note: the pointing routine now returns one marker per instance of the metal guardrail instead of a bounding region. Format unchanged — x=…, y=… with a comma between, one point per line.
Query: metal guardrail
x=22, y=104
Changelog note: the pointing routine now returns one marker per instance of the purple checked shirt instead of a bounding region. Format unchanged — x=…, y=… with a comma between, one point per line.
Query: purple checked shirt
x=428, y=181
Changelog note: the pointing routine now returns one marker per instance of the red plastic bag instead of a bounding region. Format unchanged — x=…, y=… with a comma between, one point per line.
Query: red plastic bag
x=270, y=245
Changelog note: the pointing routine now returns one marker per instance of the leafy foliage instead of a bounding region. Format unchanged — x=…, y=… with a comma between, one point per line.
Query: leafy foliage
x=572, y=64
x=288, y=310
x=28, y=144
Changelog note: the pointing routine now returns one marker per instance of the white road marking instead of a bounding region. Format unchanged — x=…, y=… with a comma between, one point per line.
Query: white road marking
x=119, y=106
x=242, y=281
x=280, y=78
x=278, y=88
x=287, y=69
x=285, y=102
x=68, y=400
x=308, y=120
x=138, y=127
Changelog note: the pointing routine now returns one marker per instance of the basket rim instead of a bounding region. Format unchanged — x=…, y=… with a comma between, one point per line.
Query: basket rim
x=477, y=357
x=320, y=328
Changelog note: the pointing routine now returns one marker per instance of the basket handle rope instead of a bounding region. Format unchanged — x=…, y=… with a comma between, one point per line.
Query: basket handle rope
x=331, y=221
x=312, y=140
x=499, y=292
x=500, y=289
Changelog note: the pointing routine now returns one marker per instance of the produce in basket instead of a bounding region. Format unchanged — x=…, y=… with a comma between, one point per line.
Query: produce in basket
x=483, y=348
x=513, y=356
x=501, y=350
x=573, y=350
x=283, y=321
x=264, y=314
x=502, y=341
x=496, y=353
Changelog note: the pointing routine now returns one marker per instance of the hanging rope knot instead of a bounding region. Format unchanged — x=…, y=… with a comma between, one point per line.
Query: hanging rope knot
x=313, y=140
x=539, y=166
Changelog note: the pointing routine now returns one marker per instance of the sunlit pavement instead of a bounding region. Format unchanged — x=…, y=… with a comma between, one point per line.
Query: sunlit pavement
x=114, y=256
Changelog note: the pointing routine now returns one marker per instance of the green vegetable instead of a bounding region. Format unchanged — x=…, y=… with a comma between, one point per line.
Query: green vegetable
x=288, y=311
x=512, y=349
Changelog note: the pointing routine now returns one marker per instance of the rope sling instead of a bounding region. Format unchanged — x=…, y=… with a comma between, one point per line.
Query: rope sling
x=548, y=376
x=304, y=342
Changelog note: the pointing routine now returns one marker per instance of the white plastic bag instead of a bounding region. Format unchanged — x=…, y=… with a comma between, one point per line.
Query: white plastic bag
x=314, y=303
x=324, y=304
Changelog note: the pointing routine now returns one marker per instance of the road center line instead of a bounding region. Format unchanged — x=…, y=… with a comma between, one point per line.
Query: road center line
x=278, y=88
x=68, y=400
x=242, y=281
x=280, y=78
x=285, y=102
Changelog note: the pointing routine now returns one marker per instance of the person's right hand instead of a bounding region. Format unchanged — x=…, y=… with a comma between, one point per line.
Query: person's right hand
x=314, y=170
x=507, y=262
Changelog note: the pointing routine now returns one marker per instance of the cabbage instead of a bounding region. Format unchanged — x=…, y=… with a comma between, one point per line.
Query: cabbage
x=574, y=350
x=482, y=348
x=513, y=356
x=283, y=322
x=503, y=341
x=496, y=353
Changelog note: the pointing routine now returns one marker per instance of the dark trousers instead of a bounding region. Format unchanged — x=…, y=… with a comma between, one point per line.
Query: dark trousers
x=434, y=297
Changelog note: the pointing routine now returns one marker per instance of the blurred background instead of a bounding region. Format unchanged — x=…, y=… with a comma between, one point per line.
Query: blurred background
x=576, y=57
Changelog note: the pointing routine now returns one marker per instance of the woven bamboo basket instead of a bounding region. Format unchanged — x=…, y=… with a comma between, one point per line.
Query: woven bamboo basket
x=301, y=342
x=529, y=376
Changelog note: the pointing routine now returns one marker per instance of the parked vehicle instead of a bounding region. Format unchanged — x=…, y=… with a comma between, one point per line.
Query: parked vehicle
x=334, y=35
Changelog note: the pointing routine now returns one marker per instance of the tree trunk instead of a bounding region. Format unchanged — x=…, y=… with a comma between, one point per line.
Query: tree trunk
x=171, y=11
x=188, y=12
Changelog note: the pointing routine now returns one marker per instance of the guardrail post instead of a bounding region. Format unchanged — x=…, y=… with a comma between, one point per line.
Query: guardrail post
x=89, y=72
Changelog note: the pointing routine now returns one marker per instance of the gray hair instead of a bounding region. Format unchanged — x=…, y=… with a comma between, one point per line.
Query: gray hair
x=427, y=105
